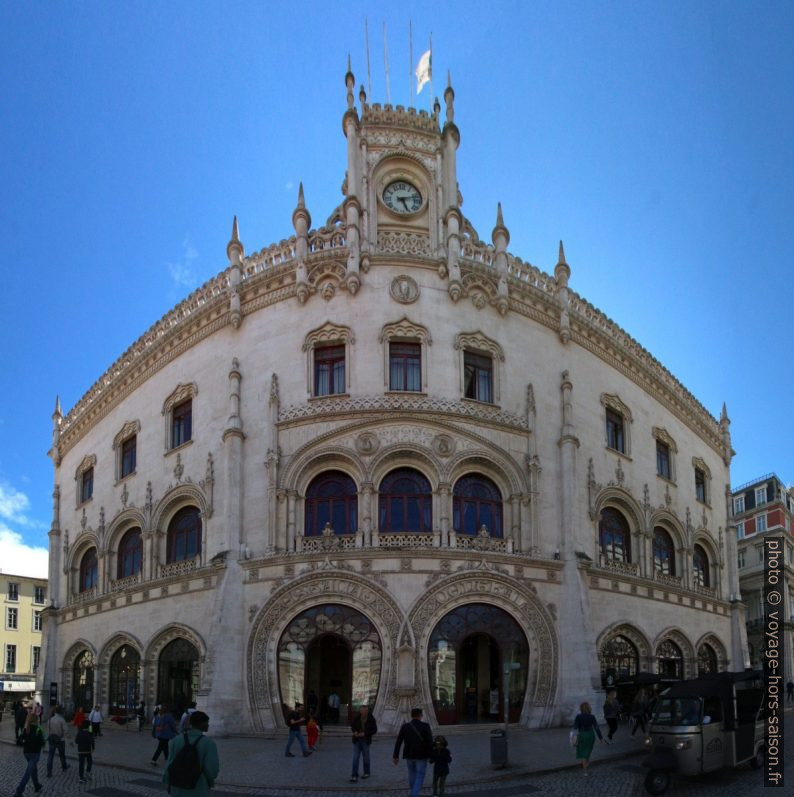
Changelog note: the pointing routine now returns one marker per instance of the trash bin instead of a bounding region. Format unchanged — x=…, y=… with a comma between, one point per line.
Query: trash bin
x=498, y=749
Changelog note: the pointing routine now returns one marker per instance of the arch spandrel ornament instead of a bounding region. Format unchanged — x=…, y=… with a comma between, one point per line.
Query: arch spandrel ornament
x=633, y=634
x=163, y=638
x=717, y=645
x=677, y=636
x=110, y=647
x=518, y=599
x=313, y=589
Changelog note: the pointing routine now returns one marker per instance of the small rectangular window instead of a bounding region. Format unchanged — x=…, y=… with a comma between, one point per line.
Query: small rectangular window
x=86, y=485
x=12, y=619
x=760, y=495
x=615, y=437
x=405, y=366
x=129, y=456
x=760, y=522
x=39, y=594
x=37, y=621
x=36, y=657
x=738, y=505
x=182, y=423
x=700, y=485
x=13, y=592
x=478, y=376
x=329, y=370
x=741, y=559
x=663, y=459
x=740, y=530
x=11, y=658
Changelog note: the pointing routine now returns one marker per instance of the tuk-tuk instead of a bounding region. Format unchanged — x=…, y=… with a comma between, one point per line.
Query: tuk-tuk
x=705, y=724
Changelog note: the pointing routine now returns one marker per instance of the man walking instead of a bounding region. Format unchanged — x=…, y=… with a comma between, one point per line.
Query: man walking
x=207, y=753
x=56, y=735
x=416, y=738
x=295, y=719
x=32, y=744
x=364, y=728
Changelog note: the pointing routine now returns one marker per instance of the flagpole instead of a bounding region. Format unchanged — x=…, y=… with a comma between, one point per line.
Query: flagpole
x=410, y=64
x=386, y=64
x=431, y=71
x=369, y=74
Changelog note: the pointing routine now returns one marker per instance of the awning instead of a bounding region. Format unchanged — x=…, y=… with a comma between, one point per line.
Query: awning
x=18, y=686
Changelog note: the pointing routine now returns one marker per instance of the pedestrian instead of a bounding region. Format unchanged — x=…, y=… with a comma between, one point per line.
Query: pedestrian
x=312, y=732
x=441, y=758
x=95, y=718
x=790, y=691
x=333, y=704
x=20, y=718
x=56, y=735
x=586, y=727
x=416, y=739
x=163, y=731
x=140, y=713
x=85, y=745
x=184, y=722
x=295, y=719
x=638, y=710
x=78, y=718
x=32, y=744
x=38, y=711
x=611, y=713
x=311, y=702
x=207, y=753
x=364, y=728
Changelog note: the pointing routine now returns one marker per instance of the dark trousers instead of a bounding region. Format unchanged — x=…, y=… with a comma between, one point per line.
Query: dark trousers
x=85, y=763
x=57, y=745
x=638, y=721
x=162, y=747
x=95, y=729
x=438, y=784
x=31, y=773
x=612, y=723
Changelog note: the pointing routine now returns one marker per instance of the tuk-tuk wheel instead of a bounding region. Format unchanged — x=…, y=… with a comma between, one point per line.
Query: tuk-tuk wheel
x=757, y=761
x=657, y=781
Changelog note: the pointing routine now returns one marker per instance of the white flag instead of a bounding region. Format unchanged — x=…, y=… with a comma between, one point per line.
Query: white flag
x=424, y=70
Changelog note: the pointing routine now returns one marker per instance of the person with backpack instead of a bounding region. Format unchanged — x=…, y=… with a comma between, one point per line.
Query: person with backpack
x=32, y=745
x=164, y=729
x=418, y=740
x=193, y=763
x=85, y=746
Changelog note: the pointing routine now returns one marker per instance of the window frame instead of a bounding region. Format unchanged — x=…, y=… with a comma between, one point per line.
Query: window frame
x=667, y=548
x=405, y=331
x=477, y=345
x=35, y=657
x=424, y=500
x=613, y=405
x=761, y=519
x=36, y=588
x=494, y=504
x=84, y=571
x=701, y=577
x=174, y=535
x=13, y=591
x=329, y=334
x=738, y=504
x=763, y=492
x=615, y=431
x=740, y=532
x=699, y=464
x=130, y=430
x=333, y=381
x=38, y=623
x=10, y=658
x=407, y=354
x=182, y=423
x=123, y=553
x=605, y=549
x=664, y=438
x=12, y=624
x=178, y=398
x=87, y=466
x=314, y=504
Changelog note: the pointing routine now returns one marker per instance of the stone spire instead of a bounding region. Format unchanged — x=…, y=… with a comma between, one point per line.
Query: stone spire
x=235, y=252
x=501, y=237
x=562, y=272
x=725, y=430
x=453, y=220
x=57, y=420
x=350, y=82
x=301, y=221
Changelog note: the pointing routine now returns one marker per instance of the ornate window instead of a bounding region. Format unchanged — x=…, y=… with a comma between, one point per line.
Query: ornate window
x=88, y=570
x=125, y=449
x=125, y=667
x=663, y=552
x=178, y=675
x=327, y=360
x=39, y=593
x=707, y=659
x=666, y=450
x=84, y=477
x=130, y=553
x=700, y=567
x=618, y=424
x=405, y=502
x=11, y=658
x=619, y=660
x=184, y=535
x=405, y=355
x=480, y=359
x=178, y=414
x=702, y=481
x=476, y=502
x=331, y=498
x=669, y=659
x=614, y=535
x=83, y=680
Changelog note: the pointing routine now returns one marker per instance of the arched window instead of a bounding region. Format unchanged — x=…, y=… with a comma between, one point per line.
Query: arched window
x=477, y=502
x=130, y=554
x=614, y=535
x=707, y=659
x=178, y=675
x=184, y=535
x=663, y=552
x=83, y=680
x=619, y=660
x=88, y=570
x=331, y=498
x=405, y=502
x=700, y=567
x=669, y=659
x=125, y=666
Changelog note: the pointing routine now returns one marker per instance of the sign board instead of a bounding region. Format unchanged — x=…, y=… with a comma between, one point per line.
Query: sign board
x=53, y=693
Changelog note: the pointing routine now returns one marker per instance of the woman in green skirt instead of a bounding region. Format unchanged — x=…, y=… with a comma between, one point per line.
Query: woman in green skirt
x=586, y=727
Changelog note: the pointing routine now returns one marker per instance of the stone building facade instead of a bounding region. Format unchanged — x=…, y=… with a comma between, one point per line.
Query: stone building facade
x=389, y=446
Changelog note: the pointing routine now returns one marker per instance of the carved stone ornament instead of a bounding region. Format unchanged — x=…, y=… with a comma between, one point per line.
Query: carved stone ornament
x=403, y=289
x=367, y=444
x=444, y=445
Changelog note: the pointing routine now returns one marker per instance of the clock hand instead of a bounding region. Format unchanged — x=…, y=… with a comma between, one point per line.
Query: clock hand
x=404, y=200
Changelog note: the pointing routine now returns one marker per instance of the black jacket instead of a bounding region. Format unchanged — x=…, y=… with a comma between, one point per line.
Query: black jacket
x=370, y=727
x=417, y=738
x=32, y=740
x=441, y=759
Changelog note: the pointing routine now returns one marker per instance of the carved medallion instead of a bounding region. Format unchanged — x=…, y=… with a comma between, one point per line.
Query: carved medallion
x=367, y=444
x=403, y=289
x=444, y=445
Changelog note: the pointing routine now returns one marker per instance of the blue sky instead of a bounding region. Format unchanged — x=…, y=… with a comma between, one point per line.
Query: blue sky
x=655, y=139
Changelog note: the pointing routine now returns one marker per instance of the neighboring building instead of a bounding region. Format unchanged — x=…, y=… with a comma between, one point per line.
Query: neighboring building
x=763, y=508
x=23, y=600
x=381, y=459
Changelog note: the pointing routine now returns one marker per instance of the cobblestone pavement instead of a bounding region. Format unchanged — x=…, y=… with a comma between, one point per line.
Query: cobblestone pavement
x=119, y=773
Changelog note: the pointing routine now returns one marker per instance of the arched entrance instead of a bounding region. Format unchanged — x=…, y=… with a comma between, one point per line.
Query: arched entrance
x=83, y=681
x=177, y=675
x=125, y=666
x=467, y=652
x=329, y=656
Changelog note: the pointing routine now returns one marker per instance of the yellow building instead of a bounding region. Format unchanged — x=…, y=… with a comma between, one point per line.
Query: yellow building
x=20, y=634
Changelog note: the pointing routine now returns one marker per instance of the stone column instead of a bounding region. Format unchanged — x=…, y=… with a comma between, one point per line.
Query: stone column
x=291, y=496
x=445, y=511
x=365, y=526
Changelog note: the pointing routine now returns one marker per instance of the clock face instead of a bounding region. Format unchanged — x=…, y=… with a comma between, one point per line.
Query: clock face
x=401, y=197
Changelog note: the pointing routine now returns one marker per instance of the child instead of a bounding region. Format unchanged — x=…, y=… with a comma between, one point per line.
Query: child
x=312, y=732
x=85, y=744
x=441, y=759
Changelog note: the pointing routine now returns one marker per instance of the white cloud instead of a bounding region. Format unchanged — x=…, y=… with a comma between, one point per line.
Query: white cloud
x=183, y=272
x=20, y=559
x=13, y=504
